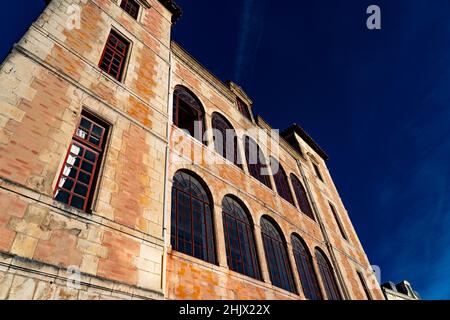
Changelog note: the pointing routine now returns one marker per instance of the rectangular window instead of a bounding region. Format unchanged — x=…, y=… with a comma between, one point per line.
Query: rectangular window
x=317, y=171
x=364, y=285
x=131, y=7
x=114, y=55
x=79, y=173
x=243, y=108
x=339, y=222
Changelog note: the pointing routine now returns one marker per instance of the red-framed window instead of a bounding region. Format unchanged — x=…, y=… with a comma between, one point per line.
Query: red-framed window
x=225, y=139
x=302, y=197
x=131, y=7
x=277, y=256
x=192, y=229
x=317, y=171
x=188, y=112
x=244, y=109
x=78, y=176
x=338, y=221
x=326, y=273
x=281, y=181
x=305, y=269
x=256, y=162
x=114, y=55
x=364, y=285
x=239, y=239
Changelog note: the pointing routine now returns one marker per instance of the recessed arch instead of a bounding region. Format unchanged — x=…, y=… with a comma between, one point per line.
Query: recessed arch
x=192, y=231
x=327, y=275
x=302, y=196
x=277, y=257
x=305, y=268
x=281, y=181
x=225, y=139
x=256, y=161
x=239, y=237
x=188, y=112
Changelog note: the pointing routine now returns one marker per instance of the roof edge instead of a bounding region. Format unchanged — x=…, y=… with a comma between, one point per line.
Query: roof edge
x=307, y=138
x=174, y=8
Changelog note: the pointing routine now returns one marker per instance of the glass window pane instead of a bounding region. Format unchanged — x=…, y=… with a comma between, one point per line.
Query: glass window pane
x=62, y=196
x=81, y=190
x=77, y=202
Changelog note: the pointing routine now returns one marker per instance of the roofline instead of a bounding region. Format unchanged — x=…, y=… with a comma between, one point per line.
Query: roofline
x=307, y=138
x=174, y=8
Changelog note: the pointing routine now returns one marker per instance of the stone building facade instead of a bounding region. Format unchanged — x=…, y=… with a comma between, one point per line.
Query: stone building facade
x=92, y=154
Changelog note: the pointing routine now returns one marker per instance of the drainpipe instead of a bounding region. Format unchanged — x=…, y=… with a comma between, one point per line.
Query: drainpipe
x=333, y=259
x=166, y=177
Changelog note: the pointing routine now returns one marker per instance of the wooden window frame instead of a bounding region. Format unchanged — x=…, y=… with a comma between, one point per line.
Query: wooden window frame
x=338, y=221
x=282, y=183
x=111, y=49
x=327, y=276
x=195, y=106
x=128, y=6
x=85, y=144
x=302, y=197
x=256, y=168
x=220, y=123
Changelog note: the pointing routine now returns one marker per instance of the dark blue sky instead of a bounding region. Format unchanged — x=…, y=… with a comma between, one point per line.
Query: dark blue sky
x=377, y=101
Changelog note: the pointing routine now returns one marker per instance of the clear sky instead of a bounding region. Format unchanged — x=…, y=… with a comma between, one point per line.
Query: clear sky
x=377, y=101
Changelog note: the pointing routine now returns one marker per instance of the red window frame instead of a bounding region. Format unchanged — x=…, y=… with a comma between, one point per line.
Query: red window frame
x=114, y=55
x=239, y=239
x=317, y=171
x=131, y=7
x=183, y=98
x=89, y=137
x=255, y=169
x=277, y=256
x=228, y=149
x=281, y=182
x=305, y=268
x=338, y=221
x=302, y=197
x=185, y=236
x=326, y=272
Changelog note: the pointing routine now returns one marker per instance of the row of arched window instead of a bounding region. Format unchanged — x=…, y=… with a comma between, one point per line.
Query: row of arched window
x=192, y=233
x=188, y=114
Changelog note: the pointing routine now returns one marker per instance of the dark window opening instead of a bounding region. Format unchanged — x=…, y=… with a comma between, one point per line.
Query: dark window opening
x=364, y=285
x=131, y=7
x=326, y=272
x=277, y=256
x=80, y=171
x=225, y=139
x=188, y=113
x=192, y=225
x=244, y=109
x=256, y=162
x=317, y=171
x=302, y=197
x=305, y=269
x=239, y=239
x=281, y=181
x=338, y=222
x=114, y=55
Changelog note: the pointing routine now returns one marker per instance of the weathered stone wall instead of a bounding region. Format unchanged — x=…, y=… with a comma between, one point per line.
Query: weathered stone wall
x=50, y=76
x=187, y=277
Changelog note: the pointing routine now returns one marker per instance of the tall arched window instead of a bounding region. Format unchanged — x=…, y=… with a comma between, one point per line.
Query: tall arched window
x=240, y=243
x=225, y=139
x=192, y=229
x=256, y=162
x=326, y=273
x=277, y=256
x=188, y=112
x=281, y=181
x=302, y=197
x=305, y=269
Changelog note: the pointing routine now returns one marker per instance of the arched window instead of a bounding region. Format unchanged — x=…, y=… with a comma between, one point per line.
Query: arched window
x=188, y=113
x=240, y=243
x=225, y=139
x=326, y=272
x=305, y=269
x=302, y=197
x=256, y=162
x=277, y=256
x=192, y=230
x=281, y=181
